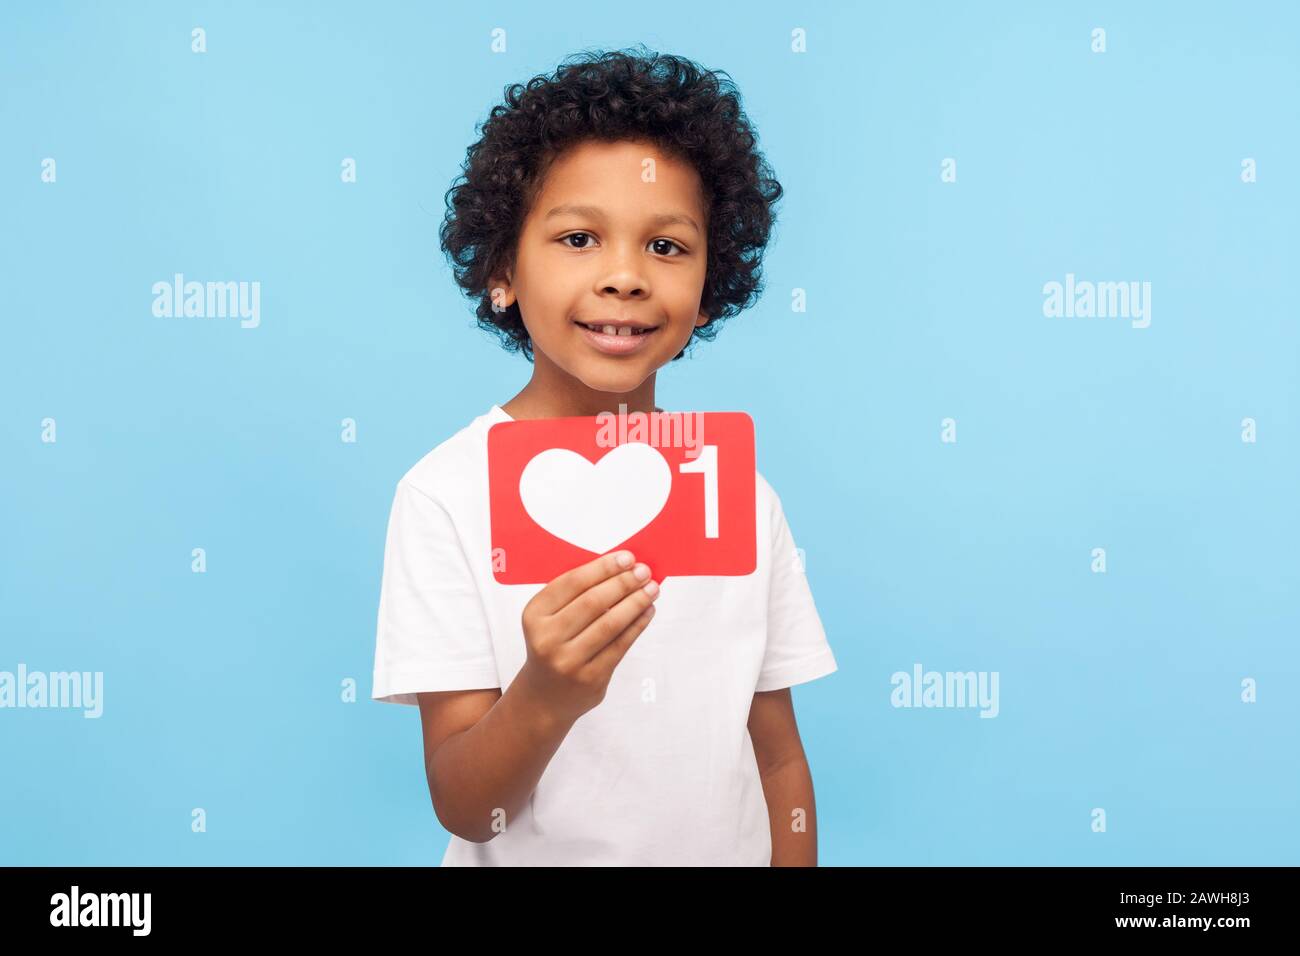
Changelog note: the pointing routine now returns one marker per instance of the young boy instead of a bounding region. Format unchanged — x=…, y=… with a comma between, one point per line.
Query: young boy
x=607, y=216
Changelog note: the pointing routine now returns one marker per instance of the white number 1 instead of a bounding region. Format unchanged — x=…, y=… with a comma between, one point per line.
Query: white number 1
x=706, y=463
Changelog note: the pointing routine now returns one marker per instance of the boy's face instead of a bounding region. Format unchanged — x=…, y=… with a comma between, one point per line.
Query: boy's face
x=610, y=239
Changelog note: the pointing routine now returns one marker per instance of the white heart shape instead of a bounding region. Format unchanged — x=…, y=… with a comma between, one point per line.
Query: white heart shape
x=596, y=505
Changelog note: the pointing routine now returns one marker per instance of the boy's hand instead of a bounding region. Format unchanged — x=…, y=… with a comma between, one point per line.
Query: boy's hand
x=579, y=626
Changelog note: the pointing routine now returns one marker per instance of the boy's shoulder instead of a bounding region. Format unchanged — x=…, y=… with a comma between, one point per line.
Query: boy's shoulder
x=766, y=498
x=449, y=467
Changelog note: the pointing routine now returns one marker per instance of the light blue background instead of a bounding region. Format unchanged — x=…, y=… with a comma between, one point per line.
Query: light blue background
x=1118, y=690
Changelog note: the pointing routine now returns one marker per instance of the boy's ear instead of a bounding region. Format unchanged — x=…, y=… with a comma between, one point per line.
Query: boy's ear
x=500, y=292
x=703, y=319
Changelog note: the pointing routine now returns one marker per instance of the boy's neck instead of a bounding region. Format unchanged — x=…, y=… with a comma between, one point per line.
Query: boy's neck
x=542, y=400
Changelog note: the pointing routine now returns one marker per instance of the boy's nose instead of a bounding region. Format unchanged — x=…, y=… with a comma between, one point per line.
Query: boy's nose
x=629, y=288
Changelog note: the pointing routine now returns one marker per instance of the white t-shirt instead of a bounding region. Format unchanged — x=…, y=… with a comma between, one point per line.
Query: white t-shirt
x=660, y=772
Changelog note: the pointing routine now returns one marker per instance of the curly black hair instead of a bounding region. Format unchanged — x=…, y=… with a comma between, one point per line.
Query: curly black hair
x=689, y=112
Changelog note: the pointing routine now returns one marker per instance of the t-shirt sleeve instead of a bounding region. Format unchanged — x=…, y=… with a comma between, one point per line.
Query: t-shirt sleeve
x=433, y=631
x=797, y=650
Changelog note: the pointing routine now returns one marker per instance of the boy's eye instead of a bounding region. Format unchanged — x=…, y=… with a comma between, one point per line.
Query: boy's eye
x=669, y=242
x=658, y=244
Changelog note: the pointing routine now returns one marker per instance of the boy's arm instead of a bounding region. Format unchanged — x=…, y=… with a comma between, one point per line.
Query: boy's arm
x=787, y=781
x=484, y=750
x=484, y=753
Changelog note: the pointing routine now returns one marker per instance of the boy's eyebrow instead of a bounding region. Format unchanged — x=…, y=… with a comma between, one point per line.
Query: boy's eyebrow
x=595, y=212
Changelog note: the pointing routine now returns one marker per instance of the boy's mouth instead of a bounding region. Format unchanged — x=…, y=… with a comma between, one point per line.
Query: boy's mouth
x=616, y=329
x=616, y=340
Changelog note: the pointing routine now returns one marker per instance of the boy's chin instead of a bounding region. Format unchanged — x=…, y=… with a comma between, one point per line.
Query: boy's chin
x=614, y=380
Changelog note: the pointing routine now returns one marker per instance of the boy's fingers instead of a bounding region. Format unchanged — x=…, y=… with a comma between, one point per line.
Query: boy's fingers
x=595, y=601
x=609, y=656
x=610, y=624
x=570, y=584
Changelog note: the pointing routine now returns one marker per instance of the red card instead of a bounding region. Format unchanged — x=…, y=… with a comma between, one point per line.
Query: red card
x=675, y=488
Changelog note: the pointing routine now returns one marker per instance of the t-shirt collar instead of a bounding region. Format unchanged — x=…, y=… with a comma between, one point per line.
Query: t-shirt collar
x=498, y=414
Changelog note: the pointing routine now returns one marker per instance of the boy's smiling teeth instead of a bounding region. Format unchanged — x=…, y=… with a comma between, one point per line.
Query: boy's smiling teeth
x=614, y=330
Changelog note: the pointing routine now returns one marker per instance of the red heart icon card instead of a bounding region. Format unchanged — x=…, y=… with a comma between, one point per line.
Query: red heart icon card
x=675, y=488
